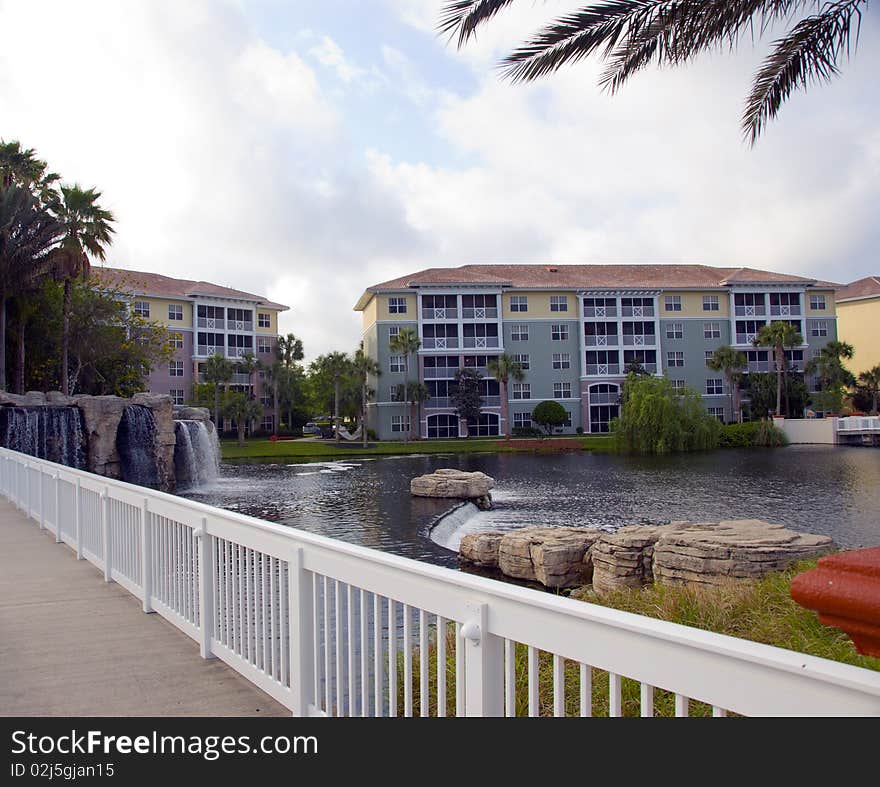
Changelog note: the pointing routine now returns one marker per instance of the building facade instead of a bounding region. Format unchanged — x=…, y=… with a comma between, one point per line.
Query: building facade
x=575, y=329
x=203, y=319
x=858, y=315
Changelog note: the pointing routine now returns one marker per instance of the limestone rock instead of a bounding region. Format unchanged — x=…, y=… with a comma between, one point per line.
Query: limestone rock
x=11, y=399
x=182, y=413
x=452, y=483
x=554, y=556
x=101, y=417
x=58, y=398
x=481, y=549
x=34, y=398
x=732, y=549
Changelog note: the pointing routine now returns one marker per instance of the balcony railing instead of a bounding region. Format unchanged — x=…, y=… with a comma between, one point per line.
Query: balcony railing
x=440, y=342
x=437, y=402
x=600, y=311
x=639, y=340
x=637, y=311
x=491, y=401
x=440, y=314
x=328, y=628
x=241, y=379
x=480, y=341
x=237, y=352
x=480, y=313
x=759, y=366
x=603, y=369
x=605, y=398
x=792, y=310
x=210, y=349
x=440, y=372
x=750, y=311
x=210, y=322
x=601, y=341
x=745, y=338
x=241, y=325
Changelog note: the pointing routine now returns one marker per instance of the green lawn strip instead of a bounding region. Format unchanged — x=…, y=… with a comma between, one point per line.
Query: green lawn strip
x=304, y=450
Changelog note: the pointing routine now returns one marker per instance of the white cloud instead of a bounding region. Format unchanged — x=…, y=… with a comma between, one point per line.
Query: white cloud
x=328, y=53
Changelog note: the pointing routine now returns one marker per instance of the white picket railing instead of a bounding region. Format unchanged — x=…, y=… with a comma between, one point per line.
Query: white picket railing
x=329, y=628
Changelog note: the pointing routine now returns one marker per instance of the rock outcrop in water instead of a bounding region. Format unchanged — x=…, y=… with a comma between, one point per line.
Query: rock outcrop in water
x=448, y=482
x=677, y=553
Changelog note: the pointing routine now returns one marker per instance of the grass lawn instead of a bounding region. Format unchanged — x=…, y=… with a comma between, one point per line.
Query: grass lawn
x=308, y=450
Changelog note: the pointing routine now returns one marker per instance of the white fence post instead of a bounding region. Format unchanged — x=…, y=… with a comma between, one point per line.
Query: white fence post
x=484, y=674
x=79, y=534
x=206, y=589
x=40, y=517
x=146, y=556
x=57, y=478
x=105, y=532
x=301, y=635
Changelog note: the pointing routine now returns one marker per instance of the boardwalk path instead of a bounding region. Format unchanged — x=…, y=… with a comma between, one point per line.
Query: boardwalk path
x=73, y=645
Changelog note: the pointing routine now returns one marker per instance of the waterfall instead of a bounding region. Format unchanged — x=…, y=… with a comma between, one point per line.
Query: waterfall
x=136, y=444
x=196, y=453
x=53, y=433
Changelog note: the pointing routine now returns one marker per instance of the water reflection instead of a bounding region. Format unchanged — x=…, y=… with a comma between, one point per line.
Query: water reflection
x=817, y=489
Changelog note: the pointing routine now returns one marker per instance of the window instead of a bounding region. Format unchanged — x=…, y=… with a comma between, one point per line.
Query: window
x=264, y=345
x=710, y=303
x=567, y=421
x=559, y=333
x=717, y=412
x=397, y=306
x=714, y=386
x=674, y=330
x=443, y=425
x=142, y=308
x=562, y=390
x=239, y=345
x=394, y=393
x=558, y=303
x=519, y=303
x=710, y=354
x=677, y=386
x=175, y=311
x=520, y=391
x=261, y=374
x=519, y=333
x=711, y=330
x=393, y=330
x=175, y=368
x=561, y=360
x=176, y=395
x=268, y=423
x=522, y=420
x=523, y=361
x=817, y=302
x=400, y=423
x=818, y=328
x=177, y=341
x=673, y=303
x=600, y=307
x=264, y=320
x=395, y=364
x=243, y=319
x=675, y=358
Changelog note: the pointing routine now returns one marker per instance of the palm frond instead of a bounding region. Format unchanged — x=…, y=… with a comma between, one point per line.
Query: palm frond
x=808, y=54
x=465, y=16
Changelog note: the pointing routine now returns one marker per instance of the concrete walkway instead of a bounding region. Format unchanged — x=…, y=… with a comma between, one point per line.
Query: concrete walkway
x=73, y=645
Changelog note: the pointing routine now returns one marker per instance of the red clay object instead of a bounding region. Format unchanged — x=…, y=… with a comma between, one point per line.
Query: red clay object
x=845, y=590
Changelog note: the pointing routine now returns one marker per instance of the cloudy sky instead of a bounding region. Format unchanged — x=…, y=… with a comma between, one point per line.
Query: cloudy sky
x=306, y=149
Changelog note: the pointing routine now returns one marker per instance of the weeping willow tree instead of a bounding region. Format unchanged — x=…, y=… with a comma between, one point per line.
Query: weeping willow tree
x=656, y=419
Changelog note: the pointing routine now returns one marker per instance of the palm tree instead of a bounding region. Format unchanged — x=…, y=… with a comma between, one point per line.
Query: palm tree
x=870, y=379
x=23, y=168
x=416, y=394
x=630, y=34
x=87, y=232
x=364, y=367
x=338, y=366
x=218, y=371
x=834, y=376
x=778, y=335
x=242, y=410
x=731, y=363
x=504, y=368
x=289, y=350
x=28, y=239
x=405, y=343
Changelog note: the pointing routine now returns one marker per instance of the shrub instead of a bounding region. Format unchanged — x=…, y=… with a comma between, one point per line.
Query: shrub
x=580, y=430
x=749, y=434
x=526, y=431
x=548, y=415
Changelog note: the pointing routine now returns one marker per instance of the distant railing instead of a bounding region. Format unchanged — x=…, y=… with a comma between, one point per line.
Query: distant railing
x=750, y=311
x=602, y=369
x=210, y=322
x=333, y=629
x=785, y=311
x=480, y=313
x=857, y=423
x=211, y=349
x=440, y=372
x=440, y=342
x=609, y=340
x=438, y=402
x=480, y=341
x=443, y=313
x=640, y=340
x=759, y=366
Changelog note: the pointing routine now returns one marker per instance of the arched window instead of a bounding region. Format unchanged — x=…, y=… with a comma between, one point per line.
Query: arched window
x=487, y=425
x=442, y=425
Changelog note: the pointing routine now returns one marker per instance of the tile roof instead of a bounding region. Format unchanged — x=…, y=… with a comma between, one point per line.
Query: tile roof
x=144, y=283
x=869, y=287
x=589, y=277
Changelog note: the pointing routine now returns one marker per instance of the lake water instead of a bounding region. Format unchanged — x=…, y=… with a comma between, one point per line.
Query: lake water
x=816, y=489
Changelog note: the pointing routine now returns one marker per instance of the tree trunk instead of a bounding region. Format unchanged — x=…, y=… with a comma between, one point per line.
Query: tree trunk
x=505, y=408
x=240, y=424
x=65, y=338
x=275, y=404
x=875, y=401
x=405, y=398
x=336, y=408
x=20, y=366
x=3, y=339
x=217, y=407
x=364, y=412
x=778, y=354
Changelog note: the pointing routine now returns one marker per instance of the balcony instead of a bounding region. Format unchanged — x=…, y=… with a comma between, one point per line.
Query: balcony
x=440, y=372
x=241, y=325
x=491, y=401
x=240, y=379
x=638, y=340
x=603, y=369
x=440, y=342
x=480, y=313
x=480, y=341
x=210, y=322
x=205, y=350
x=750, y=311
x=637, y=311
x=610, y=340
x=600, y=311
x=237, y=352
x=440, y=314
x=438, y=402
x=759, y=366
x=745, y=338
x=793, y=310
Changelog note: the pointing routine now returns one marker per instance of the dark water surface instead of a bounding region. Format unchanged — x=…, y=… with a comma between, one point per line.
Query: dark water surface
x=816, y=489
